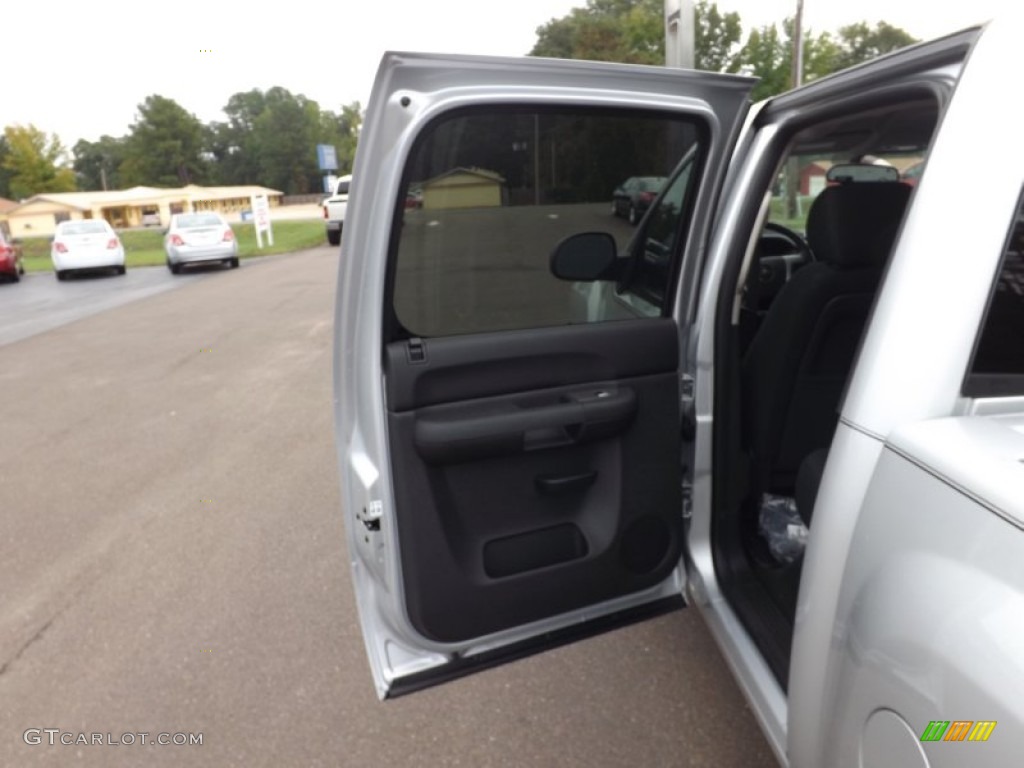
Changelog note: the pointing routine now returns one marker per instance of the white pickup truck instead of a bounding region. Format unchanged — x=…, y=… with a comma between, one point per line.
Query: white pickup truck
x=334, y=210
x=793, y=397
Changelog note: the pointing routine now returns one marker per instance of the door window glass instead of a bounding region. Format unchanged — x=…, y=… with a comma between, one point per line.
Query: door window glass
x=496, y=191
x=998, y=365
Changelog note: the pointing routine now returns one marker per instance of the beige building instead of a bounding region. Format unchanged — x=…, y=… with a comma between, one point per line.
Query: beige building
x=5, y=206
x=464, y=188
x=135, y=207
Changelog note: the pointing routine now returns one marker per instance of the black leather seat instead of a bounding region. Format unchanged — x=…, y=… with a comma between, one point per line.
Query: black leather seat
x=795, y=370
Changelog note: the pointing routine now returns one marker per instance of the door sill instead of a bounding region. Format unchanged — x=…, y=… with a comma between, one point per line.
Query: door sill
x=467, y=665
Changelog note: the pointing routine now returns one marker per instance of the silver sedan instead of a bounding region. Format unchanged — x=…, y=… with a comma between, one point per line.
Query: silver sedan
x=195, y=238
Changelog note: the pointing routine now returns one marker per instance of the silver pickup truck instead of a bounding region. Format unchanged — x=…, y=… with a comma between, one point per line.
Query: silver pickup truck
x=792, y=397
x=334, y=210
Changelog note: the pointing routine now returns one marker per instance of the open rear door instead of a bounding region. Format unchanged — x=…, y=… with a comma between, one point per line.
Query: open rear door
x=509, y=442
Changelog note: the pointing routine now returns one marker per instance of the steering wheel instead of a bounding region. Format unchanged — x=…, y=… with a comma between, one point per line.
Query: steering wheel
x=771, y=270
x=798, y=241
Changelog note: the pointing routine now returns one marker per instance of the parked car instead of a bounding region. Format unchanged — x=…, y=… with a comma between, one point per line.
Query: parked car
x=830, y=472
x=414, y=199
x=85, y=245
x=199, y=238
x=913, y=174
x=634, y=196
x=334, y=209
x=11, y=267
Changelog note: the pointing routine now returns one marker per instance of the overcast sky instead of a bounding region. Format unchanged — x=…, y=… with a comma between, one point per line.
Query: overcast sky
x=80, y=69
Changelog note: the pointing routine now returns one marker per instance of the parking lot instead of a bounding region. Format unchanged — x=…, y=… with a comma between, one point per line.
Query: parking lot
x=39, y=303
x=171, y=558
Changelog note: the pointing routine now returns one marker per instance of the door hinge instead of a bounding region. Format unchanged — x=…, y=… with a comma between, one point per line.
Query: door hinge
x=415, y=351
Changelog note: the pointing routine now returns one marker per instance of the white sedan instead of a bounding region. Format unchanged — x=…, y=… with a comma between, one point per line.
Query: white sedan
x=195, y=238
x=86, y=244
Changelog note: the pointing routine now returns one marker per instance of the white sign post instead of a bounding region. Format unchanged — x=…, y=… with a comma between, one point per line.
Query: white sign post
x=261, y=218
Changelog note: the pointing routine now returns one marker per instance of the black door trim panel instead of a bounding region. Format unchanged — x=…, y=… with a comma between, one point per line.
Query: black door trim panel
x=534, y=473
x=458, y=368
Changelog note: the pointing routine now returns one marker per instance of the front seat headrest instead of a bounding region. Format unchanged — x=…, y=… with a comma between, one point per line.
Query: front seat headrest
x=854, y=225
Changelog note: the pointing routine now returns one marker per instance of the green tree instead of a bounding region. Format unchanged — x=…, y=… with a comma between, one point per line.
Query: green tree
x=859, y=42
x=232, y=144
x=97, y=163
x=821, y=56
x=270, y=138
x=633, y=31
x=716, y=39
x=165, y=146
x=768, y=52
x=35, y=161
x=627, y=31
x=219, y=145
x=283, y=136
x=342, y=132
x=243, y=108
x=766, y=55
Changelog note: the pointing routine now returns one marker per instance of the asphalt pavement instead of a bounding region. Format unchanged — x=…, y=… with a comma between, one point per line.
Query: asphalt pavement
x=172, y=564
x=40, y=302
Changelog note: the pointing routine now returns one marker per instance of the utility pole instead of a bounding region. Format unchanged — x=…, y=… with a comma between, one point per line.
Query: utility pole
x=797, y=78
x=680, y=25
x=798, y=45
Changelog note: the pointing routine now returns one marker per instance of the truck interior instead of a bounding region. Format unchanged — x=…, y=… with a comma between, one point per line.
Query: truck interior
x=789, y=327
